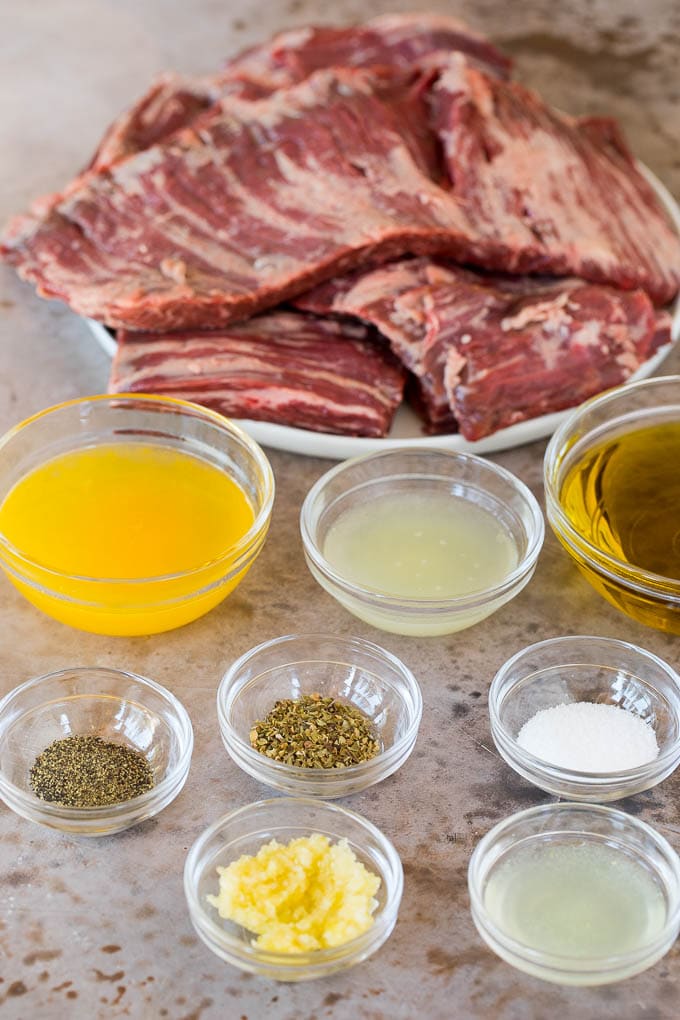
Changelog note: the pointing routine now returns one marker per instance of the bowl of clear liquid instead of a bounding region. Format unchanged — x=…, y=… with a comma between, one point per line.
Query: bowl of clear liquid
x=421, y=542
x=576, y=894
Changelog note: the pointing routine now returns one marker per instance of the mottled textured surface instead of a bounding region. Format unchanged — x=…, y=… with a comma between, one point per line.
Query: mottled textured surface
x=92, y=929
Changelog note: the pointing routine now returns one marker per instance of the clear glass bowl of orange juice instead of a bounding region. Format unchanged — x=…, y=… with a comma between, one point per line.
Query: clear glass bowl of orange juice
x=128, y=514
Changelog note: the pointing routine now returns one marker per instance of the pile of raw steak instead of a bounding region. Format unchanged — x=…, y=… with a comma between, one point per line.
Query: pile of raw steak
x=342, y=216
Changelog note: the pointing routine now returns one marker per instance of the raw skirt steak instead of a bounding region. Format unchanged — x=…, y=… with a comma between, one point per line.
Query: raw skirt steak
x=549, y=351
x=524, y=170
x=490, y=351
x=282, y=367
x=397, y=41
x=267, y=197
x=394, y=298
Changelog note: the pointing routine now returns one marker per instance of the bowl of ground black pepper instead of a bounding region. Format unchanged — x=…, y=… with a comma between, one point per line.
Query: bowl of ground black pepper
x=92, y=751
x=319, y=715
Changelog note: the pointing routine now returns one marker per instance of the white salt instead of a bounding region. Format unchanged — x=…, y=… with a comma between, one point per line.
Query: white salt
x=589, y=737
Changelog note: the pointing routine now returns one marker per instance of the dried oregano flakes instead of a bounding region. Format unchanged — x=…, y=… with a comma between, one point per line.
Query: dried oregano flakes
x=315, y=732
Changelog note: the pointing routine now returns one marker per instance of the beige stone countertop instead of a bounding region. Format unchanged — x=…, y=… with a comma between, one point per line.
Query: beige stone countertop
x=98, y=928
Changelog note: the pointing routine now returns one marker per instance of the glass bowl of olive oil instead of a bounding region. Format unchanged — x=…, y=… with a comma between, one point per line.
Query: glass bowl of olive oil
x=576, y=894
x=612, y=484
x=421, y=542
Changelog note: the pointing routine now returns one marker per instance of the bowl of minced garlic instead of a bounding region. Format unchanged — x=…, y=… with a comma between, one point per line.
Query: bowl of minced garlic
x=293, y=888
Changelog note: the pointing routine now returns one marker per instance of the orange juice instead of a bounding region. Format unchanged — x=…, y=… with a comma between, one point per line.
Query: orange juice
x=128, y=538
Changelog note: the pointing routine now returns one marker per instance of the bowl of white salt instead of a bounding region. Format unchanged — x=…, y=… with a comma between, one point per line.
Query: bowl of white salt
x=587, y=718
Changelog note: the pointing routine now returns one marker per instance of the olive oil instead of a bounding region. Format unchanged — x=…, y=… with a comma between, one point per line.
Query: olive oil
x=623, y=496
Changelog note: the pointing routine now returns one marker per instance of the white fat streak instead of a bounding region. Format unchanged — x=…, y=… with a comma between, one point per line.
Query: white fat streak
x=453, y=370
x=582, y=232
x=380, y=285
x=589, y=334
x=454, y=78
x=129, y=175
x=552, y=311
x=227, y=362
x=441, y=209
x=628, y=361
x=281, y=397
x=338, y=198
x=291, y=103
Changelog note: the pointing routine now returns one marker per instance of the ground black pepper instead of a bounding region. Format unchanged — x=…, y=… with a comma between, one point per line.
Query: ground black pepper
x=315, y=732
x=86, y=771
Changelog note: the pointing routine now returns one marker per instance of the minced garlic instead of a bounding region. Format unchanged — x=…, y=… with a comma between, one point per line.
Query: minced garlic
x=305, y=895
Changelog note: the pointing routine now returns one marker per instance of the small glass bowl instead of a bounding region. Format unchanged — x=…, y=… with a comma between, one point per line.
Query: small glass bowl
x=352, y=670
x=244, y=831
x=108, y=703
x=137, y=605
x=483, y=484
x=595, y=669
x=553, y=825
x=650, y=598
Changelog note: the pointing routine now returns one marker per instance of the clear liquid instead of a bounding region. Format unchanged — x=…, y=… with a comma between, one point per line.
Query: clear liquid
x=420, y=545
x=584, y=900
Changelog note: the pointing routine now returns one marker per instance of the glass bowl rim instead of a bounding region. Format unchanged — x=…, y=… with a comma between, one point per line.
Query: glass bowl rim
x=225, y=697
x=316, y=957
x=481, y=596
x=52, y=809
x=184, y=408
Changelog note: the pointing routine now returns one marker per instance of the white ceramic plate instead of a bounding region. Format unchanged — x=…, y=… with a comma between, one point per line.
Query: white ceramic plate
x=407, y=429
